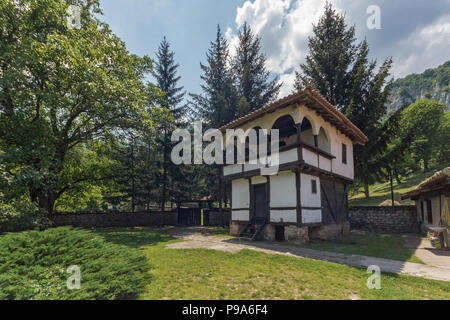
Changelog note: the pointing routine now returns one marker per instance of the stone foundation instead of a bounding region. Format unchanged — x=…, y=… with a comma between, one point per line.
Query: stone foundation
x=268, y=233
x=236, y=228
x=296, y=234
x=328, y=231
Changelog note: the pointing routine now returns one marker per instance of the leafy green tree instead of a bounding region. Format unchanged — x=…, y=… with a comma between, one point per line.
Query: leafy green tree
x=422, y=120
x=442, y=149
x=59, y=88
x=254, y=87
x=332, y=51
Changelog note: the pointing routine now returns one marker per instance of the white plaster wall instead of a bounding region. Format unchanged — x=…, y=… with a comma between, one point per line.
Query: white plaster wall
x=286, y=156
x=240, y=215
x=250, y=167
x=335, y=136
x=308, y=136
x=419, y=213
x=436, y=205
x=283, y=190
x=309, y=199
x=310, y=157
x=346, y=170
x=336, y=139
x=324, y=163
x=283, y=215
x=258, y=179
x=240, y=194
x=436, y=209
x=311, y=216
x=231, y=169
x=267, y=121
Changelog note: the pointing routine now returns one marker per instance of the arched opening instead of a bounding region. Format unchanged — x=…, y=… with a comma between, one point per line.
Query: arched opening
x=287, y=130
x=251, y=143
x=235, y=148
x=323, y=141
x=307, y=132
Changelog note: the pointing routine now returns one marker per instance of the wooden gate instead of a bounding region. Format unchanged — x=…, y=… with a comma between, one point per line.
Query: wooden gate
x=189, y=216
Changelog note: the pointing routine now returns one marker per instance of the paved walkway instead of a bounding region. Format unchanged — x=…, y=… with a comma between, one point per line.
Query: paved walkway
x=422, y=249
x=196, y=238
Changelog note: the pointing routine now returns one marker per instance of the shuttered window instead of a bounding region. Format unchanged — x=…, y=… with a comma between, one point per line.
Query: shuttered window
x=313, y=186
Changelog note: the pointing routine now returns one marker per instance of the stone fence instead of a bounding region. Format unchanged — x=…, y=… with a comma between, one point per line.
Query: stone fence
x=218, y=219
x=382, y=218
x=129, y=219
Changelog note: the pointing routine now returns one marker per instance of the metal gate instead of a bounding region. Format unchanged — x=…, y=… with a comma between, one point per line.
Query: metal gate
x=189, y=216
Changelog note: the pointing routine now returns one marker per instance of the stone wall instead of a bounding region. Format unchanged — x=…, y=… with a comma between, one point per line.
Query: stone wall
x=381, y=218
x=219, y=219
x=130, y=219
x=122, y=219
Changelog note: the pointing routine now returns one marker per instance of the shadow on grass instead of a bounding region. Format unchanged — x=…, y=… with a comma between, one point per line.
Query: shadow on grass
x=380, y=245
x=135, y=237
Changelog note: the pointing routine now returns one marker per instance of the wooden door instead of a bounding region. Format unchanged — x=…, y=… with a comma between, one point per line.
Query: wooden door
x=259, y=201
x=429, y=212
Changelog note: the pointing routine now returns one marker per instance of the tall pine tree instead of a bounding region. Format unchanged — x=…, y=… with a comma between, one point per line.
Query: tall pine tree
x=218, y=100
x=331, y=54
x=217, y=104
x=255, y=89
x=167, y=81
x=341, y=71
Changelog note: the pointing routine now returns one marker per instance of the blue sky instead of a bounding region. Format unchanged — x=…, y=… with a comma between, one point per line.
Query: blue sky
x=415, y=33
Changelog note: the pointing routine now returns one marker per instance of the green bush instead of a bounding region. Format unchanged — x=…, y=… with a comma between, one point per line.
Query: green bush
x=33, y=265
x=19, y=216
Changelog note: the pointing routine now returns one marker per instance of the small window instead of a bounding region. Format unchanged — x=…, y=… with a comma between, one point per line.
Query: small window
x=344, y=153
x=421, y=211
x=313, y=186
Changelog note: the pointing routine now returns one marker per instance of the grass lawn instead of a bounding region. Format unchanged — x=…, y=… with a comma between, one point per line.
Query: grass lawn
x=222, y=232
x=210, y=274
x=388, y=246
x=382, y=191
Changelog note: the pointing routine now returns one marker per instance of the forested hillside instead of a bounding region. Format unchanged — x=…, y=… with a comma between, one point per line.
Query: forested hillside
x=431, y=84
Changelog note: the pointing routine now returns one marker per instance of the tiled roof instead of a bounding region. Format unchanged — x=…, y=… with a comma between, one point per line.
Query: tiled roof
x=437, y=179
x=316, y=102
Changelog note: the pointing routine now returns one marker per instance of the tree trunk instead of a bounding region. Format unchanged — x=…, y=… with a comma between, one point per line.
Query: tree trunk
x=133, y=191
x=425, y=163
x=47, y=202
x=366, y=189
x=163, y=196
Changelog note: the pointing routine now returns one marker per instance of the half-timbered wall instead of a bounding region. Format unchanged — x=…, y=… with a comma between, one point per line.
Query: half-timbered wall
x=283, y=197
x=329, y=139
x=311, y=202
x=240, y=200
x=334, y=201
x=437, y=206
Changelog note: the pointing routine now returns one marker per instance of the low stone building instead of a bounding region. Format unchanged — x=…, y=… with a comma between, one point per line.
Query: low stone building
x=431, y=198
x=306, y=197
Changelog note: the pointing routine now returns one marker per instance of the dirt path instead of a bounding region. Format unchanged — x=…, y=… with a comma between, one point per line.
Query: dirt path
x=196, y=238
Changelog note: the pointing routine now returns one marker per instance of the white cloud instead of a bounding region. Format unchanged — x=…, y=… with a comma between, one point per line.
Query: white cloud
x=426, y=47
x=284, y=26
